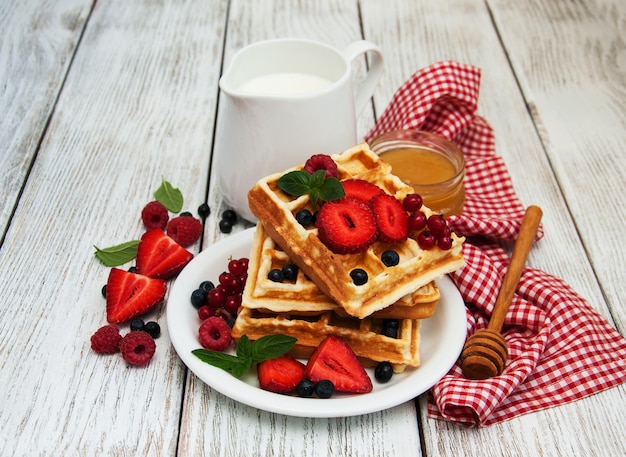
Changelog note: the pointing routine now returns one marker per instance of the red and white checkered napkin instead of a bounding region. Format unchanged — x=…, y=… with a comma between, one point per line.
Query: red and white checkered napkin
x=560, y=348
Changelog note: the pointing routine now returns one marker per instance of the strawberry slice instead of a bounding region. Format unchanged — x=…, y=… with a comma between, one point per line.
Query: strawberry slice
x=280, y=375
x=130, y=294
x=346, y=225
x=159, y=256
x=391, y=219
x=361, y=189
x=335, y=361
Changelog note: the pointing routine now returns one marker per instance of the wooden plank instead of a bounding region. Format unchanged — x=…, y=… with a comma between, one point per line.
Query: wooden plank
x=138, y=105
x=573, y=80
x=248, y=431
x=415, y=36
x=38, y=41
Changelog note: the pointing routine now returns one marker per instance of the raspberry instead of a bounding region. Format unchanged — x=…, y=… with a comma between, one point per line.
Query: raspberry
x=155, y=215
x=321, y=162
x=106, y=340
x=185, y=230
x=137, y=347
x=214, y=334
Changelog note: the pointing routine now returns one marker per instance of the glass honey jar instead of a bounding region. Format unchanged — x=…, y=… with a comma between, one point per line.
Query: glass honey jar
x=431, y=164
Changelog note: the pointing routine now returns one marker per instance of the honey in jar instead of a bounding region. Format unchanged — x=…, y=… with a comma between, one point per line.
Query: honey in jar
x=431, y=164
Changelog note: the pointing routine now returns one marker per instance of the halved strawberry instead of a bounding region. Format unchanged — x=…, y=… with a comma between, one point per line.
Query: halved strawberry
x=335, y=361
x=280, y=375
x=361, y=189
x=391, y=218
x=346, y=225
x=130, y=294
x=159, y=256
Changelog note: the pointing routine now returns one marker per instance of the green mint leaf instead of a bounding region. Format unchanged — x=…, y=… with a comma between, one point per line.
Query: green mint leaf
x=295, y=183
x=117, y=255
x=271, y=346
x=317, y=179
x=171, y=197
x=230, y=363
x=332, y=189
x=244, y=348
x=314, y=195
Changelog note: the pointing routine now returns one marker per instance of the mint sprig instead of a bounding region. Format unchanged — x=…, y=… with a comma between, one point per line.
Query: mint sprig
x=171, y=197
x=247, y=353
x=117, y=255
x=316, y=185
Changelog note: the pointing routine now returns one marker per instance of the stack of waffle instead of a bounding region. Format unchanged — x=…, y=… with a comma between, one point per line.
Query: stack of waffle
x=323, y=300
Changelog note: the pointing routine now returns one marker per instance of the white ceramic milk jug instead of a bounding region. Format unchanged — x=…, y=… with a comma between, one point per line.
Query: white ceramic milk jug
x=282, y=101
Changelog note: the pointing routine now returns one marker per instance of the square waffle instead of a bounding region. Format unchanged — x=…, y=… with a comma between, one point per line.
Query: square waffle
x=362, y=335
x=302, y=297
x=276, y=211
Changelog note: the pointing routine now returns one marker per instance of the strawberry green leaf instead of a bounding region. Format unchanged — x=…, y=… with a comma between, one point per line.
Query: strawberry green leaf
x=117, y=255
x=171, y=197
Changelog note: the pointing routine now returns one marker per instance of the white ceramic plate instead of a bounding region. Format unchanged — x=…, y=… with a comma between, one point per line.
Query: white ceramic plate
x=443, y=336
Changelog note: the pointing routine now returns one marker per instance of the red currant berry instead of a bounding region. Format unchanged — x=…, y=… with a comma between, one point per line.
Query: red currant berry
x=417, y=221
x=217, y=297
x=244, y=262
x=412, y=203
x=224, y=278
x=426, y=240
x=204, y=312
x=231, y=304
x=236, y=268
x=436, y=224
x=444, y=243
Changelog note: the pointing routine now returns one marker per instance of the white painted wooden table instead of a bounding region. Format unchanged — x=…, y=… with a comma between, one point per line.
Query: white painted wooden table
x=99, y=100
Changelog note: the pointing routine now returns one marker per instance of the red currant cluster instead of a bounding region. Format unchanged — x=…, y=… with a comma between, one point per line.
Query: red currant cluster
x=223, y=299
x=434, y=230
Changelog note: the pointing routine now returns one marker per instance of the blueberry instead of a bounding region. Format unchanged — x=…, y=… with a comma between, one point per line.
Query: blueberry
x=305, y=388
x=204, y=211
x=383, y=372
x=186, y=214
x=359, y=276
x=206, y=286
x=324, y=389
x=198, y=298
x=393, y=323
x=104, y=291
x=304, y=217
x=389, y=332
x=276, y=275
x=137, y=324
x=153, y=329
x=390, y=258
x=290, y=272
x=132, y=269
x=226, y=226
x=229, y=215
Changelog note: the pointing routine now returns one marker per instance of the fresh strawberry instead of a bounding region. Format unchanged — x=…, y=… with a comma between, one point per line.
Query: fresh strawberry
x=280, y=375
x=336, y=362
x=391, y=218
x=131, y=294
x=321, y=162
x=159, y=256
x=361, y=189
x=346, y=226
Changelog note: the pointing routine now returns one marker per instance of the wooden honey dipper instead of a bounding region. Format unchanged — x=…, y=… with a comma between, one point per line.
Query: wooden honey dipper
x=485, y=353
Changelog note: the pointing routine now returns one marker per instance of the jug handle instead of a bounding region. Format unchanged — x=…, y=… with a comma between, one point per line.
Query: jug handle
x=366, y=89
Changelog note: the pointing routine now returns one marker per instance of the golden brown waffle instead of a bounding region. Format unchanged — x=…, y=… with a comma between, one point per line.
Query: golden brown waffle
x=331, y=272
x=362, y=335
x=301, y=296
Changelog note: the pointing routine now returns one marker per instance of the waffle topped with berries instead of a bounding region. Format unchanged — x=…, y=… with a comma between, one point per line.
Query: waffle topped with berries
x=369, y=338
x=276, y=285
x=355, y=277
